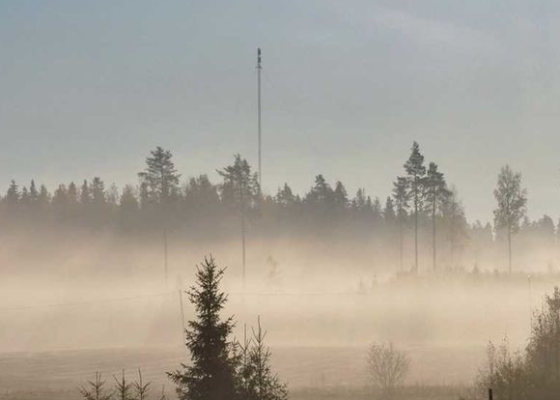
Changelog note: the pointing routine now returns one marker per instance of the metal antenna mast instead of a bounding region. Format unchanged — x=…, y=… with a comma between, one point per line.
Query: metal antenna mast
x=259, y=68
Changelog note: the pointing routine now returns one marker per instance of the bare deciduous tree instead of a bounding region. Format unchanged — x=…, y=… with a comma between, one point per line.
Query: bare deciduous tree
x=387, y=367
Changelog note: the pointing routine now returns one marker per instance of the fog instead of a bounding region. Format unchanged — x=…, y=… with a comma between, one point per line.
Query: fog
x=83, y=290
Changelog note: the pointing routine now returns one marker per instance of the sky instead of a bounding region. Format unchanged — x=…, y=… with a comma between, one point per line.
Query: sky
x=89, y=88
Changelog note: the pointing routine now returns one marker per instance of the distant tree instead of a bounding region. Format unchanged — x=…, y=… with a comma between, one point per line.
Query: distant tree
x=24, y=197
x=402, y=199
x=389, y=215
x=160, y=177
x=144, y=196
x=377, y=212
x=454, y=223
x=240, y=187
x=415, y=171
x=320, y=200
x=362, y=207
x=12, y=195
x=98, y=194
x=85, y=194
x=211, y=374
x=285, y=197
x=113, y=196
x=512, y=202
x=33, y=194
x=340, y=196
x=72, y=194
x=60, y=201
x=44, y=197
x=128, y=208
x=201, y=197
x=258, y=380
x=387, y=367
x=436, y=193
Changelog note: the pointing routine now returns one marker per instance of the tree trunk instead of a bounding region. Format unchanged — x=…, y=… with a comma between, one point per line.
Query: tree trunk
x=400, y=244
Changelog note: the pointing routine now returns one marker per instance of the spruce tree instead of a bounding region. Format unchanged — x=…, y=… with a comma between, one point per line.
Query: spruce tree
x=33, y=194
x=259, y=382
x=212, y=372
x=12, y=195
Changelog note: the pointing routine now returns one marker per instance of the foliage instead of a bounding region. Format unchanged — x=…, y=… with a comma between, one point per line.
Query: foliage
x=211, y=375
x=534, y=375
x=387, y=367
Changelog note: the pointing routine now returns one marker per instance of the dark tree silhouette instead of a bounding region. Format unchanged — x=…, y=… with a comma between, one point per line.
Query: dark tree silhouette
x=416, y=172
x=160, y=178
x=258, y=382
x=512, y=202
x=436, y=193
x=212, y=374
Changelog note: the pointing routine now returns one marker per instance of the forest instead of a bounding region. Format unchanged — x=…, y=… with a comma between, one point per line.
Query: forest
x=423, y=214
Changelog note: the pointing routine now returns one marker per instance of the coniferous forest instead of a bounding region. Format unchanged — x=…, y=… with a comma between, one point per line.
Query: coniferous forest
x=423, y=213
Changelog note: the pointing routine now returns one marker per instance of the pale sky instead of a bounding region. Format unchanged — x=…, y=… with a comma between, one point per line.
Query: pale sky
x=88, y=88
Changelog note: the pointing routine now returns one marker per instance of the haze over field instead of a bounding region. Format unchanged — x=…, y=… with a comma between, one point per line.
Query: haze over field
x=369, y=188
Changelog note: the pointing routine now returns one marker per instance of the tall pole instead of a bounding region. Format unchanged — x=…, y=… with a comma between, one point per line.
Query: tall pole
x=242, y=205
x=165, y=254
x=259, y=68
x=182, y=314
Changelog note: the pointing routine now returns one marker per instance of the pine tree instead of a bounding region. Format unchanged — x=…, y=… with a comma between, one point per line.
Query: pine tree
x=416, y=172
x=240, y=187
x=212, y=373
x=160, y=176
x=436, y=192
x=512, y=202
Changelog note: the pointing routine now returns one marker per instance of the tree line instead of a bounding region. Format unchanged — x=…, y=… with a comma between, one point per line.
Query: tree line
x=422, y=216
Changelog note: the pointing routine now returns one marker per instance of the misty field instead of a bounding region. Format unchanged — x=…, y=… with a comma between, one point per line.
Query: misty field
x=312, y=373
x=444, y=324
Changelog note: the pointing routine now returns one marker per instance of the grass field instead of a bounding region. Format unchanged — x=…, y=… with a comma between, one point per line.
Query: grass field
x=312, y=373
